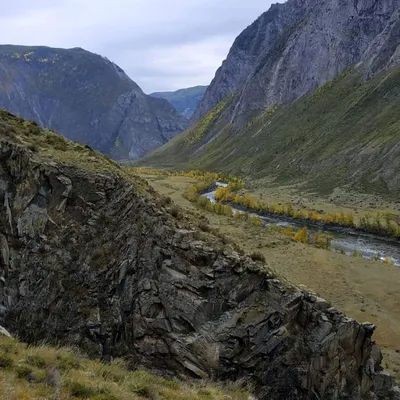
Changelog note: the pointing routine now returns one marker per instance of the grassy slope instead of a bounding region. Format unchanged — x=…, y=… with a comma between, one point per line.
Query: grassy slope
x=44, y=372
x=346, y=132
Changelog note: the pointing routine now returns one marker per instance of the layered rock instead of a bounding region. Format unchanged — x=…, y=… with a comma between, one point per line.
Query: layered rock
x=94, y=259
x=87, y=98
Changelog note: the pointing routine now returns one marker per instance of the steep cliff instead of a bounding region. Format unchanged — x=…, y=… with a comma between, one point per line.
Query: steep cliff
x=91, y=256
x=184, y=100
x=299, y=45
x=87, y=98
x=309, y=93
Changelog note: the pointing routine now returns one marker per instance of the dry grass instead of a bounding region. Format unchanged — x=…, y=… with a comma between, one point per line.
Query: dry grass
x=49, y=373
x=49, y=146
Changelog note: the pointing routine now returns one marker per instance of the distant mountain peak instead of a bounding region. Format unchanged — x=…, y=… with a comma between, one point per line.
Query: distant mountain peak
x=184, y=100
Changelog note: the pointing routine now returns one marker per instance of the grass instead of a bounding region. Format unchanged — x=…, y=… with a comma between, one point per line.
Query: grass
x=28, y=373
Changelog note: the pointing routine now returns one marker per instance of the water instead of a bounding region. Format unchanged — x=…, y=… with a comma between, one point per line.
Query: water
x=347, y=241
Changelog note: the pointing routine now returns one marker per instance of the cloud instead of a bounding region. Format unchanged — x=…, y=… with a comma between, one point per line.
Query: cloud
x=161, y=44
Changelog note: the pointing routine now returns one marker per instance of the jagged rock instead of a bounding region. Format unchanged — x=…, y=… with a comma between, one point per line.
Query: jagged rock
x=135, y=285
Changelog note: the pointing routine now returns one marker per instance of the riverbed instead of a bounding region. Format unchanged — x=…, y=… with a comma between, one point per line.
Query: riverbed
x=345, y=241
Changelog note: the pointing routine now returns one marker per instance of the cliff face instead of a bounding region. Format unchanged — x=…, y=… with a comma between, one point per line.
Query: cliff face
x=92, y=257
x=87, y=98
x=295, y=47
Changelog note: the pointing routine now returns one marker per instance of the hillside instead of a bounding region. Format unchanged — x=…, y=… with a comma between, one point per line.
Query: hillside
x=284, y=111
x=92, y=257
x=346, y=133
x=85, y=97
x=184, y=100
x=297, y=46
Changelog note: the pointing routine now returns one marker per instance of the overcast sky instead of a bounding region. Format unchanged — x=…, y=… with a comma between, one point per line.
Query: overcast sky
x=161, y=44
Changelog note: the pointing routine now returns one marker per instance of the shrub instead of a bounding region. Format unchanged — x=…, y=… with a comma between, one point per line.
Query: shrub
x=67, y=362
x=141, y=390
x=322, y=240
x=257, y=256
x=35, y=360
x=301, y=236
x=204, y=226
x=33, y=147
x=175, y=211
x=81, y=390
x=23, y=371
x=5, y=361
x=165, y=201
x=256, y=221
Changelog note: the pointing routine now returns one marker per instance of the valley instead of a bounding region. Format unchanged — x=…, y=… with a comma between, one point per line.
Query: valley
x=364, y=289
x=229, y=229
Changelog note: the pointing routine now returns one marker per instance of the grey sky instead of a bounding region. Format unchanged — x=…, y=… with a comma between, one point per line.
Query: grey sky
x=161, y=44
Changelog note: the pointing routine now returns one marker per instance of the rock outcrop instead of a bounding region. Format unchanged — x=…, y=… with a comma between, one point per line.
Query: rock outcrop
x=299, y=45
x=95, y=259
x=87, y=98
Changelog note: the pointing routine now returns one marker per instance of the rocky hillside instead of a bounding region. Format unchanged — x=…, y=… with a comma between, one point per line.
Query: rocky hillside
x=184, y=100
x=90, y=256
x=85, y=97
x=299, y=45
x=309, y=92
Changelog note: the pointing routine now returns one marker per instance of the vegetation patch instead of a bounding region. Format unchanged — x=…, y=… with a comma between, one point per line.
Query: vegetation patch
x=65, y=374
x=195, y=134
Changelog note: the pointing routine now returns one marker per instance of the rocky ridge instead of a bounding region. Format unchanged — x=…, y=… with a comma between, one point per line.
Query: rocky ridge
x=92, y=257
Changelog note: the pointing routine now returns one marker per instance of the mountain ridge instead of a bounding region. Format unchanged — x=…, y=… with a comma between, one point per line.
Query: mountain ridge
x=87, y=98
x=184, y=100
x=295, y=47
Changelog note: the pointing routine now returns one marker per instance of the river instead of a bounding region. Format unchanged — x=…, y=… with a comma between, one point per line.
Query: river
x=346, y=241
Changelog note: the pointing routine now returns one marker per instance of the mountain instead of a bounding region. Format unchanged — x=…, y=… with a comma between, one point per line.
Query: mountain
x=309, y=92
x=184, y=100
x=90, y=256
x=87, y=98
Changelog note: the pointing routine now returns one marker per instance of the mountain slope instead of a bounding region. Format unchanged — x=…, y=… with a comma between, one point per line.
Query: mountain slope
x=346, y=133
x=91, y=257
x=297, y=46
x=184, y=100
x=282, y=117
x=85, y=97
